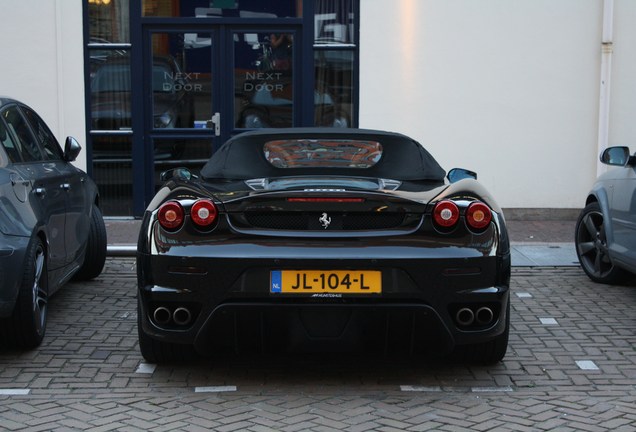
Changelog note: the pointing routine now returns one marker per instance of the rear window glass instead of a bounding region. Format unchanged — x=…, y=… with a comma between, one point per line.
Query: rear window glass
x=336, y=153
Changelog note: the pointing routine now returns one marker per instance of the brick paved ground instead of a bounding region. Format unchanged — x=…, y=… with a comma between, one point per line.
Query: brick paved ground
x=571, y=365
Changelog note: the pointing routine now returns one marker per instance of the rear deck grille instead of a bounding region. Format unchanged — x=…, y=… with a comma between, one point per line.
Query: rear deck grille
x=311, y=221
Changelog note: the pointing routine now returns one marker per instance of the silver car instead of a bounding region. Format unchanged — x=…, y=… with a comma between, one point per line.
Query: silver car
x=605, y=234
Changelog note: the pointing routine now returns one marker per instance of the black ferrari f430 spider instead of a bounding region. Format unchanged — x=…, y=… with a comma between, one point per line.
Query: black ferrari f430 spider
x=323, y=240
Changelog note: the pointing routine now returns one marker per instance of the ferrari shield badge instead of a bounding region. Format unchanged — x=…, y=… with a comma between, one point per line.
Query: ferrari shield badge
x=324, y=220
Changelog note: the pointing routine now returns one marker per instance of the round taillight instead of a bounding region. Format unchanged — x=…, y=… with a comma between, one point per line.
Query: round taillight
x=446, y=214
x=478, y=215
x=203, y=213
x=170, y=215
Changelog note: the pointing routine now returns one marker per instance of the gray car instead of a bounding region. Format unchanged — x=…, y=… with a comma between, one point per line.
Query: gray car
x=605, y=234
x=51, y=228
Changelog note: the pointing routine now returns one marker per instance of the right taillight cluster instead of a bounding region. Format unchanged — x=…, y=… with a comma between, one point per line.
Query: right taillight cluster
x=171, y=215
x=446, y=215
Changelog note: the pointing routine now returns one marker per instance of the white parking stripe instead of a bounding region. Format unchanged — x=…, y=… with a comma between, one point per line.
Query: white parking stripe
x=586, y=365
x=494, y=389
x=14, y=392
x=215, y=389
x=491, y=389
x=146, y=368
x=409, y=388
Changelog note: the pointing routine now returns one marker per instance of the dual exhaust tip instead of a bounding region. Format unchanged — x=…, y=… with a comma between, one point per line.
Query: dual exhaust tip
x=181, y=316
x=467, y=317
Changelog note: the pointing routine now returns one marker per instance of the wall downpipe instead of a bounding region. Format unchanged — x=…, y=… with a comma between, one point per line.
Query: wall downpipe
x=606, y=77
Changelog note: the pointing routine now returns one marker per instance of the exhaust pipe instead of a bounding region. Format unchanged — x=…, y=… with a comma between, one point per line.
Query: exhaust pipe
x=484, y=315
x=182, y=316
x=465, y=317
x=161, y=315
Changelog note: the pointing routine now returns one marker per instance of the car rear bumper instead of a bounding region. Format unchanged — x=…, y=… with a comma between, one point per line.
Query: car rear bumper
x=230, y=307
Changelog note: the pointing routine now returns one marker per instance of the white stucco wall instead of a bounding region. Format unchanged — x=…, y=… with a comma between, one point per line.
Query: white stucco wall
x=623, y=95
x=507, y=88
x=43, y=63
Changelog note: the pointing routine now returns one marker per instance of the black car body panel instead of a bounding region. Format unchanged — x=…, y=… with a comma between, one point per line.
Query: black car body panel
x=216, y=288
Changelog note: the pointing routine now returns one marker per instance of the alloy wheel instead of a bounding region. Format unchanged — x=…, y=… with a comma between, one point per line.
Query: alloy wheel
x=39, y=292
x=592, y=248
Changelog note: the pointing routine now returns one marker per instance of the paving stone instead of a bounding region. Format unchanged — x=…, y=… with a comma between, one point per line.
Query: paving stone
x=84, y=374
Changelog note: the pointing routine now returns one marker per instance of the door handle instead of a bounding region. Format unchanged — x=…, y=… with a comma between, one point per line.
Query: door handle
x=65, y=186
x=40, y=191
x=215, y=122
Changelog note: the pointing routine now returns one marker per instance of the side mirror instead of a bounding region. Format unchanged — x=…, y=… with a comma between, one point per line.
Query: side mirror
x=615, y=156
x=457, y=174
x=182, y=174
x=71, y=149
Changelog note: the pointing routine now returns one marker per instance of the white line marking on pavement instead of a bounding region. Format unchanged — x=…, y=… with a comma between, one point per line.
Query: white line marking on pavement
x=14, y=392
x=524, y=295
x=491, y=389
x=215, y=389
x=548, y=321
x=146, y=368
x=410, y=388
x=586, y=365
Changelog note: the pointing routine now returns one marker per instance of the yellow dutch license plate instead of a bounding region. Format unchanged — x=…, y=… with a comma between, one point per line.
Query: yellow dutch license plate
x=326, y=281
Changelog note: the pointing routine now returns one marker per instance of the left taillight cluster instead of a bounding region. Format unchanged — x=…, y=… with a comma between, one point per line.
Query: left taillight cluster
x=171, y=215
x=446, y=215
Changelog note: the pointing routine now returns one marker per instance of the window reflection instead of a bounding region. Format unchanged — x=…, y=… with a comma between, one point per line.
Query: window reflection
x=333, y=22
x=112, y=171
x=263, y=80
x=222, y=8
x=181, y=80
x=109, y=22
x=110, y=95
x=177, y=153
x=334, y=88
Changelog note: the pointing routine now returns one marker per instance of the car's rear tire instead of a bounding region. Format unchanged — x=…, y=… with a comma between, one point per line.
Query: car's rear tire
x=592, y=248
x=27, y=325
x=95, y=257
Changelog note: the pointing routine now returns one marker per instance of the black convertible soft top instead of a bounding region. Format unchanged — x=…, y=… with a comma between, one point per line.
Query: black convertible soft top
x=242, y=157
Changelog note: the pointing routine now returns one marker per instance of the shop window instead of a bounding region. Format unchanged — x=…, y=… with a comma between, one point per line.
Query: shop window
x=222, y=8
x=334, y=63
x=113, y=173
x=181, y=80
x=334, y=88
x=334, y=22
x=263, y=80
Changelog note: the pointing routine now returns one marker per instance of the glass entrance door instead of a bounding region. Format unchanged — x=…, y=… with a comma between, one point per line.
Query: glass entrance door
x=168, y=81
x=182, y=118
x=202, y=87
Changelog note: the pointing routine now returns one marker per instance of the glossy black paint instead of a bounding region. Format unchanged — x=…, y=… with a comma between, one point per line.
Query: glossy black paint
x=45, y=198
x=222, y=275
